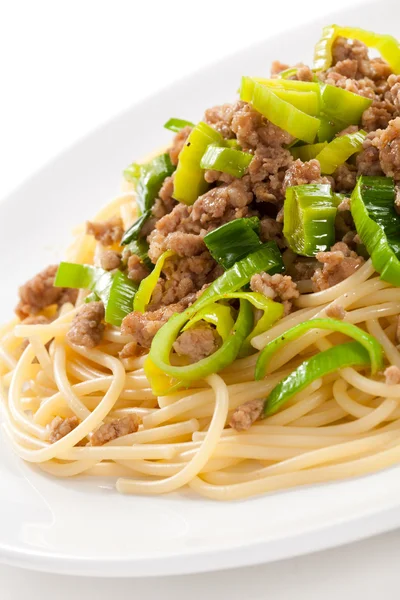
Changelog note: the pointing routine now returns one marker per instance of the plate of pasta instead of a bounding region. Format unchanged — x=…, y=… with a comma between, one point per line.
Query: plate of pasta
x=207, y=375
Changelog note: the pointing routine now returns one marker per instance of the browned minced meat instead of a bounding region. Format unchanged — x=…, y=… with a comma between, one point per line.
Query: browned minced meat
x=277, y=287
x=344, y=205
x=267, y=171
x=196, y=343
x=144, y=326
x=392, y=375
x=277, y=67
x=304, y=73
x=345, y=178
x=301, y=173
x=245, y=415
x=110, y=260
x=39, y=292
x=335, y=311
x=387, y=141
x=60, y=427
x=115, y=429
x=87, y=327
x=338, y=264
x=137, y=270
x=106, y=232
x=367, y=160
x=177, y=144
x=272, y=230
x=38, y=320
x=182, y=277
x=165, y=202
x=129, y=350
x=68, y=295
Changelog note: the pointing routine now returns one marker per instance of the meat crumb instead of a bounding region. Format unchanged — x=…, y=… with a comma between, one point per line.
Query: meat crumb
x=392, y=375
x=106, y=232
x=196, y=343
x=110, y=260
x=338, y=264
x=335, y=311
x=130, y=350
x=87, y=327
x=277, y=287
x=137, y=270
x=115, y=429
x=39, y=292
x=60, y=427
x=388, y=143
x=301, y=173
x=245, y=415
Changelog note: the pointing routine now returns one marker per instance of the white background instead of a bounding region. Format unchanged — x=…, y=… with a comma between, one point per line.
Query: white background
x=65, y=68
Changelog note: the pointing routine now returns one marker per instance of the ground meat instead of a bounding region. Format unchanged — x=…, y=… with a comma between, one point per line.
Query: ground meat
x=252, y=129
x=137, y=270
x=87, y=327
x=397, y=199
x=344, y=205
x=392, y=375
x=388, y=143
x=130, y=350
x=367, y=161
x=271, y=230
x=165, y=202
x=197, y=343
x=177, y=144
x=182, y=277
x=144, y=326
x=185, y=244
x=302, y=268
x=345, y=178
x=344, y=48
x=335, y=311
x=377, y=116
x=304, y=73
x=277, y=67
x=38, y=320
x=245, y=415
x=267, y=171
x=348, y=130
x=212, y=209
x=68, y=295
x=338, y=264
x=301, y=173
x=38, y=293
x=220, y=117
x=60, y=427
x=211, y=176
x=106, y=232
x=115, y=429
x=110, y=260
x=277, y=287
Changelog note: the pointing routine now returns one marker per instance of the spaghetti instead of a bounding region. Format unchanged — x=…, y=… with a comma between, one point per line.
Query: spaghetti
x=341, y=424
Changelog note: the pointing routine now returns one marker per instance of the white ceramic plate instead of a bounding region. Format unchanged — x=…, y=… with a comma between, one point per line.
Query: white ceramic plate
x=84, y=526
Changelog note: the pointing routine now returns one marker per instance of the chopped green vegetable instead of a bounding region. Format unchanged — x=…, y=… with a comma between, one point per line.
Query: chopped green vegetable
x=216, y=314
x=148, y=184
x=339, y=150
x=164, y=339
x=177, y=124
x=133, y=233
x=278, y=111
x=147, y=285
x=120, y=299
x=140, y=247
x=378, y=224
x=386, y=45
x=132, y=173
x=287, y=73
x=308, y=102
x=152, y=176
x=329, y=128
x=115, y=290
x=343, y=105
x=308, y=151
x=370, y=344
x=290, y=84
x=228, y=160
x=158, y=367
x=234, y=240
x=337, y=357
x=189, y=182
x=309, y=218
